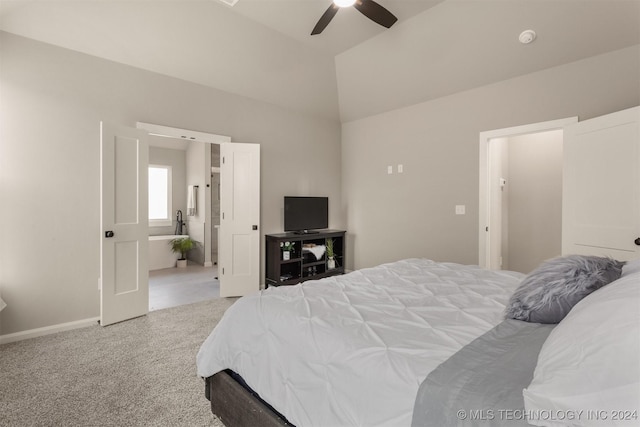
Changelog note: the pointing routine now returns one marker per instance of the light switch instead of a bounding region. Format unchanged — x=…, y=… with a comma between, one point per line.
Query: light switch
x=460, y=209
x=400, y=168
x=389, y=170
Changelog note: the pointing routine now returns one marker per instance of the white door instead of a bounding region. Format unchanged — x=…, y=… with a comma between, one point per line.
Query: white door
x=601, y=186
x=239, y=256
x=124, y=202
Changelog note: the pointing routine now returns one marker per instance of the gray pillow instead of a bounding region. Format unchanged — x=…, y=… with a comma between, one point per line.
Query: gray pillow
x=549, y=292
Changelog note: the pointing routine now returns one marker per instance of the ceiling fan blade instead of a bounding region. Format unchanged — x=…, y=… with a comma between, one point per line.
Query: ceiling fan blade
x=375, y=12
x=324, y=20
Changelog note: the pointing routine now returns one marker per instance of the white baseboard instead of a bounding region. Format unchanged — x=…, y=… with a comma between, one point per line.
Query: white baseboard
x=47, y=330
x=208, y=264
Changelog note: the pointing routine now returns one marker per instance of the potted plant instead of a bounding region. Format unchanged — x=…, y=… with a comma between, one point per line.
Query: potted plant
x=182, y=245
x=287, y=248
x=331, y=260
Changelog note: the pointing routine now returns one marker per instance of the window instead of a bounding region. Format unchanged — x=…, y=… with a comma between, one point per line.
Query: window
x=159, y=196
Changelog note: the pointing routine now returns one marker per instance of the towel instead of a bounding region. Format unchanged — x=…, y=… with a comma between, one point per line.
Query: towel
x=192, y=200
x=317, y=251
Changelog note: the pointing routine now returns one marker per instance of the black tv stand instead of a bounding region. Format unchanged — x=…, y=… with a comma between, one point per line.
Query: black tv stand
x=300, y=263
x=306, y=232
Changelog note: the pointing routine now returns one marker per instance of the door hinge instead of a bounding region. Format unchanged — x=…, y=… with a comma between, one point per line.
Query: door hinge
x=487, y=229
x=223, y=160
x=223, y=270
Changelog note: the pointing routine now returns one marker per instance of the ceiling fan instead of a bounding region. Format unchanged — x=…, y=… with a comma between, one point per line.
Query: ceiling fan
x=368, y=8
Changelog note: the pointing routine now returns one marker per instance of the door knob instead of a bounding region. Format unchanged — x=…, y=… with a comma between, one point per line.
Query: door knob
x=637, y=241
x=108, y=234
x=255, y=227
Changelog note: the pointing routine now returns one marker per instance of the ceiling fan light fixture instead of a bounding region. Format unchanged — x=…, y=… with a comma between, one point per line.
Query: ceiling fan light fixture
x=369, y=8
x=344, y=3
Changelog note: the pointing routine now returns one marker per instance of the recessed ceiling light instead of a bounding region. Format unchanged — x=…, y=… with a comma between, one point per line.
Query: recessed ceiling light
x=527, y=36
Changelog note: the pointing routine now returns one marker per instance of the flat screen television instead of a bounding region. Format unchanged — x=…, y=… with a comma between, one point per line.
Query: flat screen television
x=305, y=214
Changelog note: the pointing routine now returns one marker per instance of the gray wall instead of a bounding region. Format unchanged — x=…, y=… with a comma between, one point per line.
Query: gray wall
x=534, y=186
x=52, y=102
x=463, y=44
x=199, y=173
x=215, y=202
x=197, y=41
x=412, y=214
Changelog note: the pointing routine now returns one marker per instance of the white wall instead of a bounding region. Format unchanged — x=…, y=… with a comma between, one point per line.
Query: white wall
x=412, y=214
x=498, y=198
x=52, y=102
x=534, y=185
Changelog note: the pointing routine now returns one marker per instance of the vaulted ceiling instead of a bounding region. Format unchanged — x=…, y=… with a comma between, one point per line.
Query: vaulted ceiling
x=263, y=49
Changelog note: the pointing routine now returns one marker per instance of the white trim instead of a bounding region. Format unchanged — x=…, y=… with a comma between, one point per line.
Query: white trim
x=189, y=135
x=484, y=206
x=48, y=330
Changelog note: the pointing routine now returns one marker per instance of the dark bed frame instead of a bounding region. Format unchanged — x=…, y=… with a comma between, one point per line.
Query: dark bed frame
x=237, y=405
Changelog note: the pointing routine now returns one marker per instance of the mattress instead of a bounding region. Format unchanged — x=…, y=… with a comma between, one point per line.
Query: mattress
x=354, y=349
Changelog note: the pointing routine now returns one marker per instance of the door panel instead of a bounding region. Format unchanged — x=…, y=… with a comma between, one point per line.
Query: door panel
x=126, y=262
x=124, y=269
x=601, y=190
x=239, y=257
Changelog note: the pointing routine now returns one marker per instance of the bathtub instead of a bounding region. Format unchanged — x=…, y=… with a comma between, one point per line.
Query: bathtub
x=160, y=254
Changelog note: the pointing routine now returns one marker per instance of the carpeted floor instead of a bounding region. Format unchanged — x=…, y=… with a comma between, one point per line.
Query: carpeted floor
x=136, y=373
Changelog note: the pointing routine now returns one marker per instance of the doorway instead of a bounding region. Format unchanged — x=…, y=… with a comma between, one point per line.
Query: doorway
x=192, y=157
x=520, y=195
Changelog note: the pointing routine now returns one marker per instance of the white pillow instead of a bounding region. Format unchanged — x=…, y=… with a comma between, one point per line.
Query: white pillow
x=588, y=370
x=631, y=267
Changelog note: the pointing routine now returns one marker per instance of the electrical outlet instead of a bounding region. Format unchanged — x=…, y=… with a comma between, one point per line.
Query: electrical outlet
x=400, y=168
x=389, y=170
x=460, y=209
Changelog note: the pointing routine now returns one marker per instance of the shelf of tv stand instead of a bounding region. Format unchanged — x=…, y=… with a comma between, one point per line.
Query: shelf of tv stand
x=298, y=265
x=313, y=264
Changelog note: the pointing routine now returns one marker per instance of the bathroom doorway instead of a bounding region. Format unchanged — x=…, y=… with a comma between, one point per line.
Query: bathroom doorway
x=526, y=199
x=517, y=215
x=194, y=205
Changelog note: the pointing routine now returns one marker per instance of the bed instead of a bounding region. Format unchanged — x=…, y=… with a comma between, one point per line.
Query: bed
x=413, y=342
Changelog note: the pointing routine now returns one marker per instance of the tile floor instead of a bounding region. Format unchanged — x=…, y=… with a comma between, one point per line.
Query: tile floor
x=171, y=287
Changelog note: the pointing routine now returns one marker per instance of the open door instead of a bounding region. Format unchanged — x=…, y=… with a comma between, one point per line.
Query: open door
x=124, y=272
x=239, y=251
x=601, y=186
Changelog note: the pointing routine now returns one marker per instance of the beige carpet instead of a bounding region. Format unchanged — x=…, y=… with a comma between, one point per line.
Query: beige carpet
x=136, y=373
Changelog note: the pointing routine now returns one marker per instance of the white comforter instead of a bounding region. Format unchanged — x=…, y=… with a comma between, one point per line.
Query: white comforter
x=353, y=349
